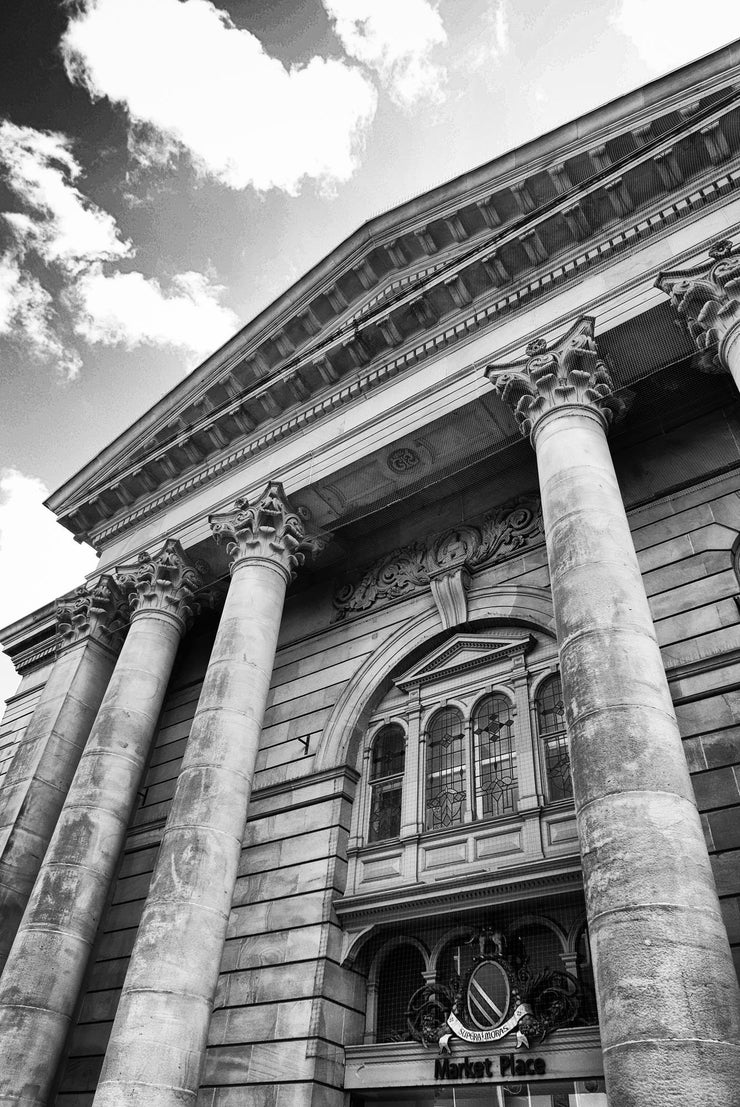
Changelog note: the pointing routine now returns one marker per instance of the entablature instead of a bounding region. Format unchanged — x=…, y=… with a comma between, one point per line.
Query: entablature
x=411, y=283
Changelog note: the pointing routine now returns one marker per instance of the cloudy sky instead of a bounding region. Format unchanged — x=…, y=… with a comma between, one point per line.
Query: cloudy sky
x=167, y=167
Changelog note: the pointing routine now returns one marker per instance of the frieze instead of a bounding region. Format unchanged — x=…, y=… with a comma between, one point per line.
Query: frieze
x=409, y=570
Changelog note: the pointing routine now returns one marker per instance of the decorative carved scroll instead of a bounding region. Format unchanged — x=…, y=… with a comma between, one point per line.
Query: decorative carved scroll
x=167, y=582
x=566, y=373
x=267, y=529
x=530, y=1004
x=96, y=611
x=409, y=570
x=707, y=297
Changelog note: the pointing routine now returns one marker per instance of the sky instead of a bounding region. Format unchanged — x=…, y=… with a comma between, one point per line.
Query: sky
x=169, y=167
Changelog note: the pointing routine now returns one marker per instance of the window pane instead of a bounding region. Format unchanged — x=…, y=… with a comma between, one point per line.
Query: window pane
x=385, y=811
x=389, y=751
x=445, y=797
x=551, y=724
x=496, y=788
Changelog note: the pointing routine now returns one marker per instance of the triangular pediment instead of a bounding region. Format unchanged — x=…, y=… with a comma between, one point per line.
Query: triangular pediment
x=463, y=653
x=414, y=281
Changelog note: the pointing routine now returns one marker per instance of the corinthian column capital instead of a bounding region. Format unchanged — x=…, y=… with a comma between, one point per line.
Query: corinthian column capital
x=97, y=611
x=567, y=373
x=166, y=582
x=268, y=529
x=708, y=298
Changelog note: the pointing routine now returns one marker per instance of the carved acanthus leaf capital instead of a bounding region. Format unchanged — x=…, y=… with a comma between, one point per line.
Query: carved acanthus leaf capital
x=568, y=372
x=166, y=582
x=268, y=529
x=97, y=611
x=707, y=297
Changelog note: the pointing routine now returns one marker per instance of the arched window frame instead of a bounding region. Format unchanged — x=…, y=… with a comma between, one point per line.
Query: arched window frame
x=456, y=812
x=378, y=783
x=413, y=706
x=554, y=793
x=510, y=802
x=372, y=1009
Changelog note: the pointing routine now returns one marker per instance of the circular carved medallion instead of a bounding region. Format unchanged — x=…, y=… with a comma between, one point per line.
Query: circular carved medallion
x=402, y=460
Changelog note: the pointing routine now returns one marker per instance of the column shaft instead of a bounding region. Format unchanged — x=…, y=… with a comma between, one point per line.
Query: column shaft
x=667, y=991
x=44, y=971
x=159, y=1035
x=41, y=772
x=158, y=1041
x=730, y=353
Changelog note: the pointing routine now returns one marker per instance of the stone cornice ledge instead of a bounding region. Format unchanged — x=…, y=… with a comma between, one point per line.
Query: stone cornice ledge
x=632, y=112
x=543, y=284
x=473, y=890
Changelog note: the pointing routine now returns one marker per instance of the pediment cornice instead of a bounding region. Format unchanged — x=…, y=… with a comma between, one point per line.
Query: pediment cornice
x=416, y=279
x=463, y=653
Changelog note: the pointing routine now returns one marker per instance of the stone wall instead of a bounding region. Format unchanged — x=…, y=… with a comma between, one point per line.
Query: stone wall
x=284, y=1005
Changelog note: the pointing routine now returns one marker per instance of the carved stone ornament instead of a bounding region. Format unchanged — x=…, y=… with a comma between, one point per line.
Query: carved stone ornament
x=269, y=529
x=166, y=582
x=411, y=569
x=708, y=298
x=499, y=995
x=568, y=372
x=96, y=612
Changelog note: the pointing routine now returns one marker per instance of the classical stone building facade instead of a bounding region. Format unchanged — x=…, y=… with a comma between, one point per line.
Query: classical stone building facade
x=391, y=754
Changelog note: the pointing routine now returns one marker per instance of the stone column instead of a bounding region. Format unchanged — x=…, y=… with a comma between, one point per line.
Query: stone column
x=40, y=985
x=708, y=298
x=90, y=627
x=666, y=986
x=158, y=1041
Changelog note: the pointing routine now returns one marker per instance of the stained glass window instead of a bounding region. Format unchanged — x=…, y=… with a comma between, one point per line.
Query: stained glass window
x=445, y=794
x=495, y=757
x=386, y=779
x=551, y=726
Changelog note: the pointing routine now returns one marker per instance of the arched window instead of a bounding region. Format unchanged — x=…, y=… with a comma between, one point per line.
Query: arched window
x=401, y=974
x=551, y=727
x=495, y=758
x=386, y=782
x=445, y=792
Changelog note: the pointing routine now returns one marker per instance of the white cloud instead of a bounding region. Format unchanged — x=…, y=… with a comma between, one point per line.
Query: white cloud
x=39, y=559
x=395, y=38
x=66, y=229
x=81, y=242
x=182, y=69
x=670, y=33
x=126, y=309
x=492, y=39
x=27, y=318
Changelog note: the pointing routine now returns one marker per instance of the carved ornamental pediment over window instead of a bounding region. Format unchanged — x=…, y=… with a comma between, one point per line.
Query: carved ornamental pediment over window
x=409, y=570
x=463, y=653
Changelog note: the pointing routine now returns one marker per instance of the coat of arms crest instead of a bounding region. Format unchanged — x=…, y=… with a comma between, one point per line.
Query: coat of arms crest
x=498, y=995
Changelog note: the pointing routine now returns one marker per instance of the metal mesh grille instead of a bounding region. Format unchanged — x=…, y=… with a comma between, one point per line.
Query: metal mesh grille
x=401, y=974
